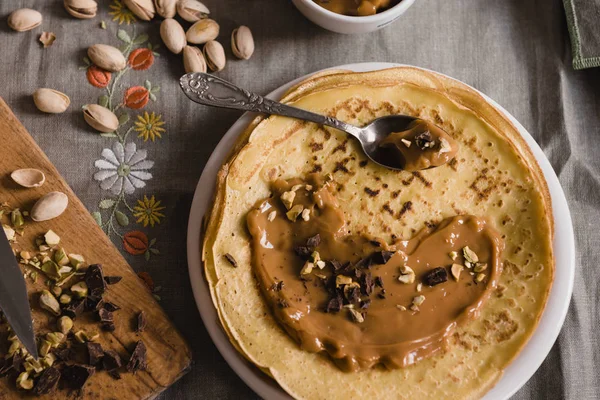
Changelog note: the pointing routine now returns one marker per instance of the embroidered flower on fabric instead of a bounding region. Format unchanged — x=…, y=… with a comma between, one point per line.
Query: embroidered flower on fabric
x=123, y=169
x=147, y=211
x=149, y=126
x=121, y=13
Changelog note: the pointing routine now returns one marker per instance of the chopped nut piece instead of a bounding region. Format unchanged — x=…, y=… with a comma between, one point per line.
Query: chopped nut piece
x=306, y=214
x=271, y=216
x=296, y=187
x=414, y=307
x=456, y=269
x=49, y=303
x=356, y=316
x=407, y=275
x=25, y=255
x=295, y=212
x=80, y=289
x=480, y=267
x=315, y=256
x=55, y=338
x=56, y=290
x=406, y=142
x=9, y=232
x=308, y=187
x=45, y=347
x=418, y=300
x=480, y=277
x=470, y=255
x=83, y=337
x=400, y=307
x=76, y=261
x=419, y=287
x=307, y=268
x=342, y=280
x=23, y=381
x=453, y=255
x=61, y=258
x=52, y=239
x=51, y=269
x=64, y=324
x=445, y=146
x=16, y=218
x=468, y=264
x=65, y=298
x=321, y=264
x=287, y=198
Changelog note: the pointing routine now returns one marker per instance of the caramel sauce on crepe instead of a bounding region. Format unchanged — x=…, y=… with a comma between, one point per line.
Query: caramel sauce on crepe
x=355, y=7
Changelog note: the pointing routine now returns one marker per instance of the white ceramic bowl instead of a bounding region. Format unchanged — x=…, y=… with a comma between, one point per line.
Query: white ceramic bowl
x=346, y=24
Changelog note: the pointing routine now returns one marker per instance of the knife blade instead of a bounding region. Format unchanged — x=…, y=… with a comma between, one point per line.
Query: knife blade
x=14, y=301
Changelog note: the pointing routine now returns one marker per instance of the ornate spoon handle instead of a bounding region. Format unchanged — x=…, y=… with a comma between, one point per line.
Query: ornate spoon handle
x=210, y=90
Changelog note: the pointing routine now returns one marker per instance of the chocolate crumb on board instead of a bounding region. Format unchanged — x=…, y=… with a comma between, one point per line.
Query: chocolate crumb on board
x=137, y=361
x=13, y=364
x=65, y=354
x=111, y=307
x=76, y=375
x=111, y=280
x=141, y=322
x=47, y=382
x=106, y=319
x=435, y=276
x=95, y=353
x=231, y=260
x=111, y=362
x=94, y=279
x=93, y=303
x=75, y=308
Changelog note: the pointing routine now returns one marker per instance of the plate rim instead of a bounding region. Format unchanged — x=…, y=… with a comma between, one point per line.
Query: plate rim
x=517, y=373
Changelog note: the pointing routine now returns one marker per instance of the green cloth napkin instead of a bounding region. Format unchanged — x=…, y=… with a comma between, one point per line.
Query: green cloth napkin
x=583, y=19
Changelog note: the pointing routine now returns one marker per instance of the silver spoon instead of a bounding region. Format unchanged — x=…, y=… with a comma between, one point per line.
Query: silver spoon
x=210, y=90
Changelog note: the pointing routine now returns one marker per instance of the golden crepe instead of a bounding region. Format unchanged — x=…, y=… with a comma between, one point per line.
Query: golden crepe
x=494, y=176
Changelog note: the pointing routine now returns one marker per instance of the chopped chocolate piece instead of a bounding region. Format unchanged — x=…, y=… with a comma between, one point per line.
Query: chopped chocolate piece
x=108, y=326
x=435, y=276
x=95, y=353
x=94, y=279
x=379, y=281
x=366, y=284
x=364, y=304
x=93, y=303
x=314, y=241
x=75, y=308
x=13, y=364
x=231, y=260
x=282, y=303
x=115, y=374
x=137, y=361
x=105, y=316
x=424, y=140
x=354, y=295
x=303, y=251
x=111, y=280
x=375, y=243
x=76, y=375
x=111, y=360
x=277, y=286
x=381, y=294
x=382, y=257
x=108, y=306
x=65, y=354
x=364, y=262
x=334, y=305
x=335, y=265
x=47, y=381
x=141, y=322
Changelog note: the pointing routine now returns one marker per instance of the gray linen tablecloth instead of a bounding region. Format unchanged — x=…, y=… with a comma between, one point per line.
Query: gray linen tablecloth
x=515, y=51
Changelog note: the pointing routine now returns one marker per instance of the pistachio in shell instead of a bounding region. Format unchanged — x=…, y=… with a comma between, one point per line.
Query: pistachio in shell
x=51, y=101
x=82, y=9
x=24, y=19
x=203, y=31
x=193, y=60
x=107, y=57
x=100, y=118
x=50, y=206
x=192, y=10
x=242, y=42
x=215, y=55
x=172, y=35
x=166, y=8
x=143, y=9
x=28, y=177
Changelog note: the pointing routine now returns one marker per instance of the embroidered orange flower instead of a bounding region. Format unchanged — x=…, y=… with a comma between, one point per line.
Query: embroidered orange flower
x=144, y=276
x=98, y=77
x=141, y=59
x=136, y=97
x=135, y=243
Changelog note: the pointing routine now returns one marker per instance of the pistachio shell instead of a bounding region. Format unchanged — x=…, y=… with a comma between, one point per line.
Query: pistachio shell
x=82, y=9
x=100, y=118
x=242, y=42
x=107, y=57
x=51, y=101
x=192, y=10
x=28, y=177
x=24, y=19
x=143, y=9
x=203, y=31
x=166, y=8
x=173, y=35
x=49, y=206
x=215, y=55
x=193, y=59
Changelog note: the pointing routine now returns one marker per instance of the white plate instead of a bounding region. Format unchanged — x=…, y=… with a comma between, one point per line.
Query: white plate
x=517, y=373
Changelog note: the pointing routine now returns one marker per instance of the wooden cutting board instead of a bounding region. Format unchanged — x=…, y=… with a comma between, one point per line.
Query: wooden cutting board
x=169, y=356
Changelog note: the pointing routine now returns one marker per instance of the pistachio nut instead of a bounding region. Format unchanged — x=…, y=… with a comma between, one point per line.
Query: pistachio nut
x=242, y=42
x=100, y=118
x=166, y=8
x=51, y=238
x=202, y=31
x=24, y=382
x=28, y=177
x=215, y=55
x=51, y=101
x=82, y=9
x=64, y=324
x=193, y=59
x=9, y=232
x=192, y=10
x=107, y=57
x=49, y=206
x=24, y=19
x=49, y=303
x=80, y=289
x=172, y=35
x=143, y=9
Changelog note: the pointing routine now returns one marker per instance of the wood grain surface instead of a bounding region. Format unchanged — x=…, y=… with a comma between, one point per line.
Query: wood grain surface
x=169, y=355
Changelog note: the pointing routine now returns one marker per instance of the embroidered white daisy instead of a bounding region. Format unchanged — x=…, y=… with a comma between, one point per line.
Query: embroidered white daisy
x=124, y=168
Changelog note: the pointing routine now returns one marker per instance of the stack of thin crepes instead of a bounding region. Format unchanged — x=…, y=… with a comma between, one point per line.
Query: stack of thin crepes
x=494, y=176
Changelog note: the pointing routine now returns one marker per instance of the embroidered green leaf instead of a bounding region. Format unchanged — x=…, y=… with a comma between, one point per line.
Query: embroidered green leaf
x=87, y=61
x=150, y=46
x=123, y=48
x=123, y=118
x=141, y=38
x=152, y=97
x=122, y=219
x=155, y=89
x=147, y=84
x=147, y=256
x=109, y=134
x=103, y=100
x=98, y=217
x=155, y=251
x=106, y=203
x=102, y=25
x=152, y=242
x=124, y=36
